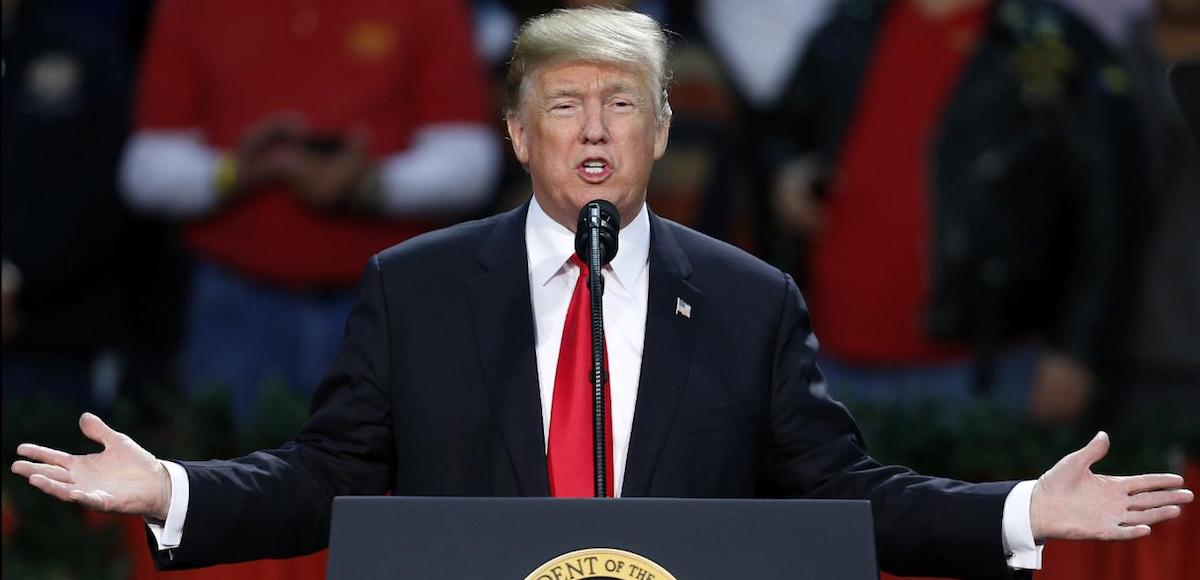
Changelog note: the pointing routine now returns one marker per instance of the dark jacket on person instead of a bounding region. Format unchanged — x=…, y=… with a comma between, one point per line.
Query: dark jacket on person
x=1029, y=180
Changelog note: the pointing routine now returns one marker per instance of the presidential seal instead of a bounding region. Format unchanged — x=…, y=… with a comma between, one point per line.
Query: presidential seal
x=600, y=563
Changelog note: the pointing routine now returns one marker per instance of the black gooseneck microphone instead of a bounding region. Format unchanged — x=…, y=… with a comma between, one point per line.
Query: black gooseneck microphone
x=596, y=236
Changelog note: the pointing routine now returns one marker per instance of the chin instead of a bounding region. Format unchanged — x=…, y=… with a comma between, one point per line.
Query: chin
x=583, y=197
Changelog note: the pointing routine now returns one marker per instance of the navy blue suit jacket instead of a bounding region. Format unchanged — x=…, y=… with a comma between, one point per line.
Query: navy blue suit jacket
x=435, y=392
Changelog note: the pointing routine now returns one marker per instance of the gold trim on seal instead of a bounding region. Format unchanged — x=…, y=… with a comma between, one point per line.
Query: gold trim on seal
x=600, y=563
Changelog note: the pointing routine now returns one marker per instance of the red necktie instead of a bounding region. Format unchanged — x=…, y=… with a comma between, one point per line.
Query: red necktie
x=569, y=455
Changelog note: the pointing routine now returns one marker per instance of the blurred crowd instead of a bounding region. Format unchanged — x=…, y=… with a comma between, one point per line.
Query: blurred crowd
x=982, y=199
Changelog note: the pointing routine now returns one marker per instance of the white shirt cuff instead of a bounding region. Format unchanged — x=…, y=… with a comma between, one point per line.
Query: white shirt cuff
x=1023, y=552
x=169, y=534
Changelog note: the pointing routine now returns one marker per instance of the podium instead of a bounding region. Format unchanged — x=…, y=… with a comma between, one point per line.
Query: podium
x=572, y=539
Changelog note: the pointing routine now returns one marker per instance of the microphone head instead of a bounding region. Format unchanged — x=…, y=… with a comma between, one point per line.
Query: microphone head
x=601, y=217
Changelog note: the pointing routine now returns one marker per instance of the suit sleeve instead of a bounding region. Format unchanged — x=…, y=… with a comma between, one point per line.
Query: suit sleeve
x=277, y=503
x=923, y=525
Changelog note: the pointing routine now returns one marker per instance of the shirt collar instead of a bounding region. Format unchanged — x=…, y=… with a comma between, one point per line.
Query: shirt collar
x=550, y=245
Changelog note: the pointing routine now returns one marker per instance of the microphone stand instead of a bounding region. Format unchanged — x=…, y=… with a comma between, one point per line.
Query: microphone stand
x=596, y=292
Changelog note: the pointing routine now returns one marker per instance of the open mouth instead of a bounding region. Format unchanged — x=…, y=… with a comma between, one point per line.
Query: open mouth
x=594, y=170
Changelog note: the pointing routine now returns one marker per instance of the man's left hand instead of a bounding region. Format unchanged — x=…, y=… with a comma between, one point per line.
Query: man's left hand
x=1071, y=503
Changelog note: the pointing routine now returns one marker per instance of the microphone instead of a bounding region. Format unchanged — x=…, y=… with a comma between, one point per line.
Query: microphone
x=596, y=244
x=598, y=220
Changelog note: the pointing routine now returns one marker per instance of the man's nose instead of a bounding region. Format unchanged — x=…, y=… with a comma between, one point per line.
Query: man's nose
x=595, y=126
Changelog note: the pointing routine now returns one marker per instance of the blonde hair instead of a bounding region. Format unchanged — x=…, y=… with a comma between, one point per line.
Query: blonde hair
x=606, y=35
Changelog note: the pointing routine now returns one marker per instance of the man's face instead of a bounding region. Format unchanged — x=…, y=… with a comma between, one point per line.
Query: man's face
x=587, y=131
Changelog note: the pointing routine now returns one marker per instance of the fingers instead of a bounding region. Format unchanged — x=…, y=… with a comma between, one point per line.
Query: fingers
x=27, y=469
x=1094, y=451
x=45, y=455
x=1153, y=499
x=51, y=487
x=1139, y=483
x=277, y=129
x=96, y=430
x=1130, y=532
x=1152, y=516
x=94, y=501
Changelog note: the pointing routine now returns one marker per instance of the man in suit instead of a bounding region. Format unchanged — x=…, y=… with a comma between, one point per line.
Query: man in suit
x=451, y=377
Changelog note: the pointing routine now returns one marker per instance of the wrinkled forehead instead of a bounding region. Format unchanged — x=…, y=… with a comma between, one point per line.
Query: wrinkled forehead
x=583, y=76
x=586, y=77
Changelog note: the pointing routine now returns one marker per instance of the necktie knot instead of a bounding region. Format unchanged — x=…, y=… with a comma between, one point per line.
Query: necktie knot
x=583, y=267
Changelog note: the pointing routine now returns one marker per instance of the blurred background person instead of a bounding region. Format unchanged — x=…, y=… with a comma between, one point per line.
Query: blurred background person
x=89, y=290
x=956, y=165
x=734, y=61
x=1163, y=350
x=294, y=139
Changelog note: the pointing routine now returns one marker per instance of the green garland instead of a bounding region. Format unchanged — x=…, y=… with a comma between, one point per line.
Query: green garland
x=985, y=442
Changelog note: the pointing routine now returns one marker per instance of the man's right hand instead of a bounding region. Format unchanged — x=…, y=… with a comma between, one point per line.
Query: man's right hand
x=123, y=478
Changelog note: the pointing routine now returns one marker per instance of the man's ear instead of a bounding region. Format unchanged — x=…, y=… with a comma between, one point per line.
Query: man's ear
x=516, y=134
x=660, y=138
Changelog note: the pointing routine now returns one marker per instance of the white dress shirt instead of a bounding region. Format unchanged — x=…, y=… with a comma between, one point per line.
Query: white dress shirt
x=626, y=291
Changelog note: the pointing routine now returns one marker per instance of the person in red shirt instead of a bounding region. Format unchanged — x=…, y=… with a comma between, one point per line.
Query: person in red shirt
x=294, y=139
x=967, y=236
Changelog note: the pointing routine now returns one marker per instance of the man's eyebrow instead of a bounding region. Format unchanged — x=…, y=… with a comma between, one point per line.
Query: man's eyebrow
x=564, y=92
x=609, y=89
x=619, y=87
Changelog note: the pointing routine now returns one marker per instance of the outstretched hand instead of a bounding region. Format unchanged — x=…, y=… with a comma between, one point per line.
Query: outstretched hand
x=1071, y=503
x=123, y=478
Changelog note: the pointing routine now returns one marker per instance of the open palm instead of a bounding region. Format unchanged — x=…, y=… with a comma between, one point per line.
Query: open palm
x=1072, y=503
x=123, y=478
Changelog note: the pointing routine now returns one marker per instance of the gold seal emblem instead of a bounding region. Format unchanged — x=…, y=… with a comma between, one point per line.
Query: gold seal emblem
x=600, y=563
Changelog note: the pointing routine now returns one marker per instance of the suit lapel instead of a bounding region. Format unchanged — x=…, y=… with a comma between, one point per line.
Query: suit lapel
x=500, y=304
x=665, y=358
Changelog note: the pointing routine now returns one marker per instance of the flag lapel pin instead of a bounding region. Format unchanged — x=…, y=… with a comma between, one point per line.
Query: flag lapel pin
x=683, y=308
